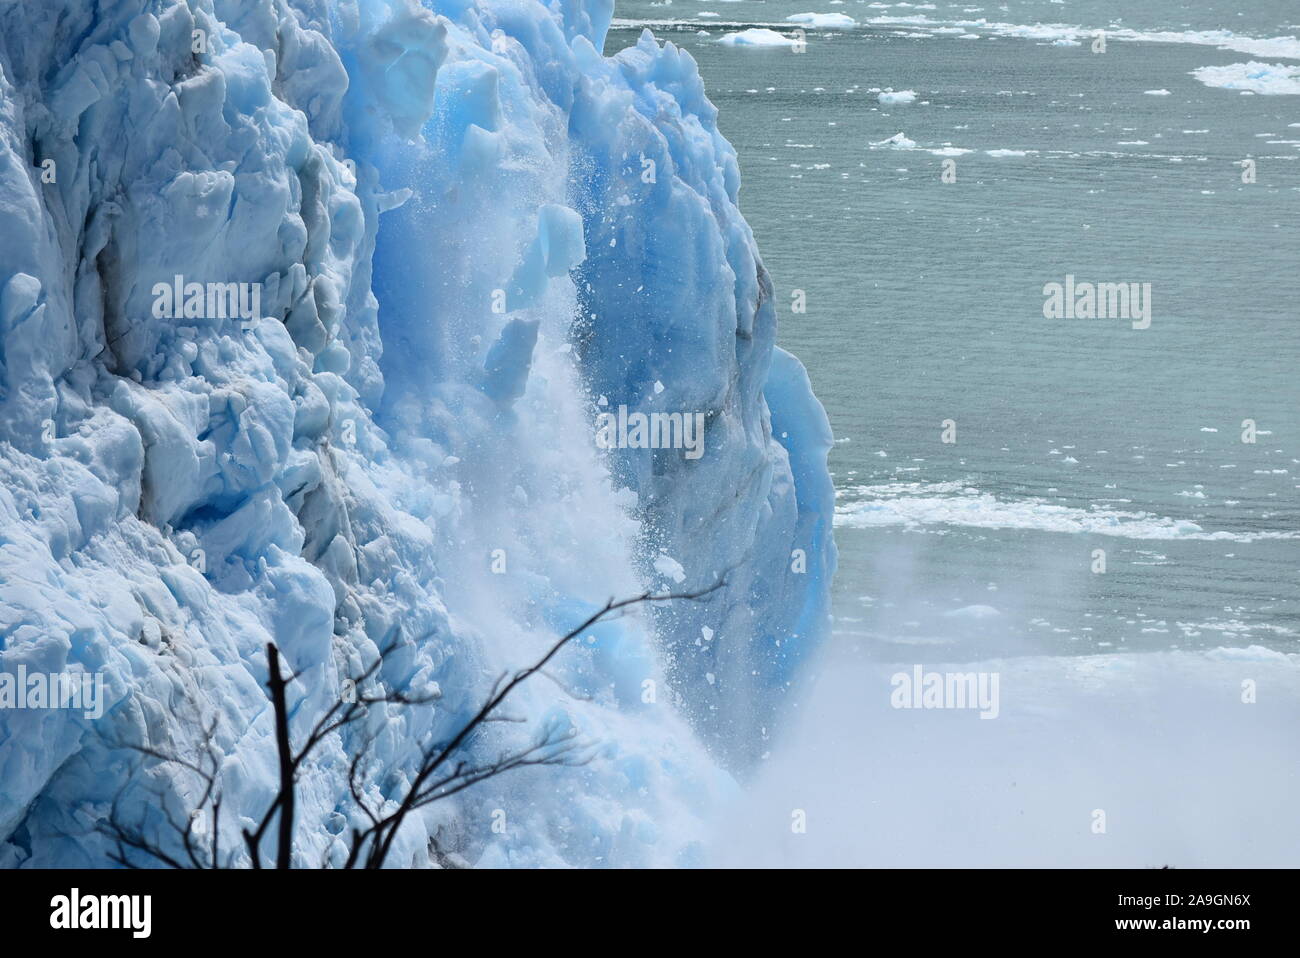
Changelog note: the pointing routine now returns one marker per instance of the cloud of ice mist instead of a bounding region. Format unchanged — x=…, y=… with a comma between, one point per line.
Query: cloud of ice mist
x=1185, y=772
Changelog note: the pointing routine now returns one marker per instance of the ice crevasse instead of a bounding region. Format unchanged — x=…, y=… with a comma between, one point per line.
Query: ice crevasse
x=461, y=233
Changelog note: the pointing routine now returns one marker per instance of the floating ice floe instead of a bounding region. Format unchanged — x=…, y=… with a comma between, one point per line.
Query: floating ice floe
x=918, y=505
x=894, y=97
x=757, y=37
x=1267, y=78
x=973, y=612
x=823, y=21
x=898, y=141
x=1062, y=35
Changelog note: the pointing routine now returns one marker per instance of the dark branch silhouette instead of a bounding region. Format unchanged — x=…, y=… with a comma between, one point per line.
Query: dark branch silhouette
x=206, y=768
x=439, y=775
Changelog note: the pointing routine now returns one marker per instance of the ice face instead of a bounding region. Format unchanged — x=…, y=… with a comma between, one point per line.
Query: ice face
x=306, y=310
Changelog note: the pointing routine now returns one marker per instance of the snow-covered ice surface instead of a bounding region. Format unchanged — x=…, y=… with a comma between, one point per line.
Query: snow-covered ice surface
x=459, y=252
x=1186, y=772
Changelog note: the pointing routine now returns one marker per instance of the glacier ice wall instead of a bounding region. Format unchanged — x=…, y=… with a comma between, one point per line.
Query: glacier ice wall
x=469, y=233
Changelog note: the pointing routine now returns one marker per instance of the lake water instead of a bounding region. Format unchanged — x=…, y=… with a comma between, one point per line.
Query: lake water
x=925, y=304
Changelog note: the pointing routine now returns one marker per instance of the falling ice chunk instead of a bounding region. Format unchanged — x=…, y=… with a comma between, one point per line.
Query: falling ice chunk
x=670, y=568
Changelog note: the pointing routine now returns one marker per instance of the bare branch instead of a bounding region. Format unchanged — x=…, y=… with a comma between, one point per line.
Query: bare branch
x=433, y=780
x=381, y=836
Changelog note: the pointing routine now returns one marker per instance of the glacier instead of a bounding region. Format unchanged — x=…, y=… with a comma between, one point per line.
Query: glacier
x=467, y=232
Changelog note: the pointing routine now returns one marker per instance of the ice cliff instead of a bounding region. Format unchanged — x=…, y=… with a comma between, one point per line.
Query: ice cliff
x=458, y=234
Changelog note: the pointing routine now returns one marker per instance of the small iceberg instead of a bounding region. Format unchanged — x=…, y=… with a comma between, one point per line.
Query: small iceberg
x=973, y=612
x=898, y=141
x=757, y=37
x=823, y=21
